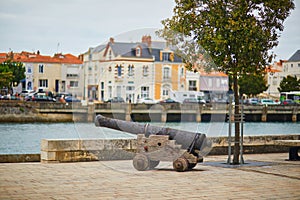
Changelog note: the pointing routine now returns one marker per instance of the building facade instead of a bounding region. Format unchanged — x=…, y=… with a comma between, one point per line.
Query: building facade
x=280, y=70
x=132, y=71
x=59, y=73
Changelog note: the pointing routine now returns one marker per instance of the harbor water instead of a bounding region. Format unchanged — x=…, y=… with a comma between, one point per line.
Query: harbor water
x=25, y=138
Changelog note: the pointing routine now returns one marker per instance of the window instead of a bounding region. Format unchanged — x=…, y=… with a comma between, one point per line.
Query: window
x=119, y=68
x=224, y=82
x=165, y=92
x=182, y=71
x=119, y=91
x=218, y=82
x=166, y=73
x=130, y=88
x=43, y=83
x=73, y=84
x=29, y=70
x=210, y=82
x=144, y=92
x=145, y=70
x=109, y=55
x=192, y=86
x=41, y=69
x=130, y=70
x=138, y=52
x=72, y=75
x=166, y=56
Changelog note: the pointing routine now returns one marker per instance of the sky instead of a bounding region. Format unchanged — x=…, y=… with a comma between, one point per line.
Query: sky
x=73, y=26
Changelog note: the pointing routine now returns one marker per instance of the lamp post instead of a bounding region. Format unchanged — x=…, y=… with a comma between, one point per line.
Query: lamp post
x=230, y=95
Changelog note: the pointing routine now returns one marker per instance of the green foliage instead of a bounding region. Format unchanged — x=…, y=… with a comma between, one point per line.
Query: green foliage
x=252, y=85
x=237, y=34
x=289, y=83
x=11, y=72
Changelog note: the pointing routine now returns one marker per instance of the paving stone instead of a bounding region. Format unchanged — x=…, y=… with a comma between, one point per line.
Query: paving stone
x=277, y=179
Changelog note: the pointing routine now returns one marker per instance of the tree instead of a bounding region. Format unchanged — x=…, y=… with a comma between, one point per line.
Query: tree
x=252, y=85
x=11, y=72
x=236, y=34
x=289, y=83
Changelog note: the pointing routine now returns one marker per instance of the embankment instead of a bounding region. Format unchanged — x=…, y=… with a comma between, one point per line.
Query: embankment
x=59, y=150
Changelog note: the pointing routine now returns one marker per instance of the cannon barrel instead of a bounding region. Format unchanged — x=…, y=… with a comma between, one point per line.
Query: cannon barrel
x=193, y=142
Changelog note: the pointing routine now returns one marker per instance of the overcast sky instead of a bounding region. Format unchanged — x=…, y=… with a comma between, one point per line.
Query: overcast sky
x=72, y=26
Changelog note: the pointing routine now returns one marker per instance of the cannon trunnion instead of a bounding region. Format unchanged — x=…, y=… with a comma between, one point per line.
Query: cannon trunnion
x=154, y=144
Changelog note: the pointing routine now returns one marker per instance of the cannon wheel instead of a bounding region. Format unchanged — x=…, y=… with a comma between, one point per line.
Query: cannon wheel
x=153, y=163
x=180, y=164
x=141, y=162
x=192, y=165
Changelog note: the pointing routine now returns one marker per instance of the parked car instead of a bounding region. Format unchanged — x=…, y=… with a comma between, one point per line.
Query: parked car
x=194, y=100
x=252, y=101
x=71, y=99
x=288, y=102
x=115, y=100
x=9, y=97
x=41, y=98
x=65, y=94
x=168, y=100
x=26, y=92
x=146, y=101
x=268, y=102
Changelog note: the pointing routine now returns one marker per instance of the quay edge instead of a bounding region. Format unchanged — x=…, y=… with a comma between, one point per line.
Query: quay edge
x=20, y=111
x=73, y=150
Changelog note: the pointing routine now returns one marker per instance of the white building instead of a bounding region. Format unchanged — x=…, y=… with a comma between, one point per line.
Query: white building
x=282, y=69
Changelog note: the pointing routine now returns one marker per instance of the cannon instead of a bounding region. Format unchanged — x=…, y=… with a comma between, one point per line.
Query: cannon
x=155, y=144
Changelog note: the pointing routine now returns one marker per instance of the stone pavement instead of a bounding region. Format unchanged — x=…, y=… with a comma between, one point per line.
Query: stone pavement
x=275, y=178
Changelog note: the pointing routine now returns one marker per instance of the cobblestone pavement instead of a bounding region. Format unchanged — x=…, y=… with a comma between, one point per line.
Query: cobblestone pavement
x=275, y=178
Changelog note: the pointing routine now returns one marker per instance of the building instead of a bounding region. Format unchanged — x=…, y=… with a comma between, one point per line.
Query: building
x=132, y=71
x=214, y=85
x=281, y=69
x=59, y=73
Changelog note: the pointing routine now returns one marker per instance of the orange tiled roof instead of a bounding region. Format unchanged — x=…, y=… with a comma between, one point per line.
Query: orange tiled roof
x=2, y=57
x=273, y=70
x=202, y=73
x=27, y=57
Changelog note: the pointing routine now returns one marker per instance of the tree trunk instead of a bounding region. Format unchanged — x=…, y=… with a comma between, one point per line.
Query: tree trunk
x=236, y=151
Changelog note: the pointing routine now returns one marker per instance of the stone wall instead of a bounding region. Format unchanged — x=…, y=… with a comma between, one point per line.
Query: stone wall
x=120, y=149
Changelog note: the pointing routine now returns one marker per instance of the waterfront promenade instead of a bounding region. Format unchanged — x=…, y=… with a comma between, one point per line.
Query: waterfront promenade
x=265, y=176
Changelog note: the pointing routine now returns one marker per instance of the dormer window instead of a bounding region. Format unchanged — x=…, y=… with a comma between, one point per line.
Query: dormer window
x=138, y=52
x=166, y=56
x=109, y=55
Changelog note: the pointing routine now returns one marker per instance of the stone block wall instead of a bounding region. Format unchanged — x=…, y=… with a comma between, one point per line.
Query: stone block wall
x=68, y=150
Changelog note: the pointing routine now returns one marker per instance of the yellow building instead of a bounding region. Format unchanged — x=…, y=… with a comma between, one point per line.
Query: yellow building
x=170, y=73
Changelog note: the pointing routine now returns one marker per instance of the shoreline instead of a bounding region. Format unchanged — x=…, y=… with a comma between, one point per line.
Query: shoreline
x=251, y=145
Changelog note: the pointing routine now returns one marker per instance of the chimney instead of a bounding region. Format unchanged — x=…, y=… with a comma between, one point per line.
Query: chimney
x=147, y=39
x=112, y=40
x=38, y=52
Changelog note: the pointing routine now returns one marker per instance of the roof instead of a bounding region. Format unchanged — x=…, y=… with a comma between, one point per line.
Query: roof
x=214, y=73
x=28, y=57
x=295, y=57
x=128, y=49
